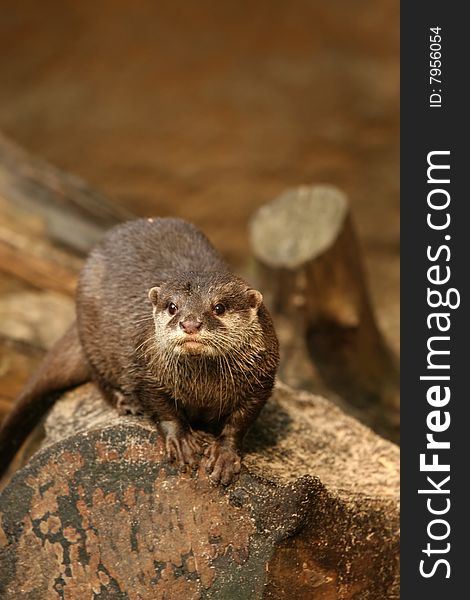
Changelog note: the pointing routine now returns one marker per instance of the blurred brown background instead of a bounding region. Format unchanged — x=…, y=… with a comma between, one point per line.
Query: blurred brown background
x=206, y=110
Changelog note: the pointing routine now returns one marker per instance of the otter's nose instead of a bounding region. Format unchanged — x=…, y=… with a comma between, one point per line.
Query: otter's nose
x=190, y=325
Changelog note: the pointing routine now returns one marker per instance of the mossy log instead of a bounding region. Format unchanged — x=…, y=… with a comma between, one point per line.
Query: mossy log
x=100, y=513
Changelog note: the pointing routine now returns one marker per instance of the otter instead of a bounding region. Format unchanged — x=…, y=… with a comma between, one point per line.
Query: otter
x=164, y=329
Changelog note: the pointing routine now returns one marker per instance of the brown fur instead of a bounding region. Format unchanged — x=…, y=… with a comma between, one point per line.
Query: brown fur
x=194, y=369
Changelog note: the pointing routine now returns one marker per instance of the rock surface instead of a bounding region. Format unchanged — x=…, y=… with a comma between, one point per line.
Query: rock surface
x=99, y=512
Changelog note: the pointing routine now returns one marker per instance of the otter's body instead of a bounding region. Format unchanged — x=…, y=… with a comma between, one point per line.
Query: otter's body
x=168, y=331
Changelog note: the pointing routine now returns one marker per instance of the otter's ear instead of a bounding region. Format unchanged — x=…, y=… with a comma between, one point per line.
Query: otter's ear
x=255, y=298
x=153, y=294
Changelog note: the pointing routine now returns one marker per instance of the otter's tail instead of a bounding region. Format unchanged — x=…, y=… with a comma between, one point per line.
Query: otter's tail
x=64, y=367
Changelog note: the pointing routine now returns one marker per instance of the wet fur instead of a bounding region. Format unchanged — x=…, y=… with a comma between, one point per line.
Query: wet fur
x=132, y=348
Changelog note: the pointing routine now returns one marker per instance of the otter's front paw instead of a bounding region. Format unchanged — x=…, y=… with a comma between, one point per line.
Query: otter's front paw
x=183, y=448
x=223, y=463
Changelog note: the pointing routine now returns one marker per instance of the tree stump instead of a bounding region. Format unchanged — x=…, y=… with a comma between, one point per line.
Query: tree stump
x=100, y=513
x=310, y=267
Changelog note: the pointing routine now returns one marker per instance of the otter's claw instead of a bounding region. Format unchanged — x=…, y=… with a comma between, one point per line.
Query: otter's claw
x=223, y=463
x=183, y=448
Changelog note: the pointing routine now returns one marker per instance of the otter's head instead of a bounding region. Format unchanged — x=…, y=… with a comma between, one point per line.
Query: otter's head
x=208, y=314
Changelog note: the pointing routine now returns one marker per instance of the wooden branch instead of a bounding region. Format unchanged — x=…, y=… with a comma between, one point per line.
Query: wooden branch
x=101, y=511
x=72, y=213
x=310, y=263
x=35, y=260
x=48, y=219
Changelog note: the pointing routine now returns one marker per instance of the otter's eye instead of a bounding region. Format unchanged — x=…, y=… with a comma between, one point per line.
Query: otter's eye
x=219, y=309
x=172, y=309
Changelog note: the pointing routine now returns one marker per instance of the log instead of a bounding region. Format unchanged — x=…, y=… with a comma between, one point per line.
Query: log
x=99, y=511
x=310, y=266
